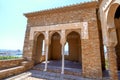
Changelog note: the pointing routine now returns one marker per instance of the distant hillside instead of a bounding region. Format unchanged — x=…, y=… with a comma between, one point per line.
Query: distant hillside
x=6, y=52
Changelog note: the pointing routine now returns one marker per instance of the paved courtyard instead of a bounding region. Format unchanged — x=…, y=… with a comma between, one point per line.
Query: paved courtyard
x=38, y=74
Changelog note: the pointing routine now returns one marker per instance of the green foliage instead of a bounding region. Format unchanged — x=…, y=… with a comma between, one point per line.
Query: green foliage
x=8, y=57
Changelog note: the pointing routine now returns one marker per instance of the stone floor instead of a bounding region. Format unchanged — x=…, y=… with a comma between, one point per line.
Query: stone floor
x=68, y=64
x=41, y=75
x=70, y=67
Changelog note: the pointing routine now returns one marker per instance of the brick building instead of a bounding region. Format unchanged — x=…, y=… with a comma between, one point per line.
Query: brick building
x=86, y=27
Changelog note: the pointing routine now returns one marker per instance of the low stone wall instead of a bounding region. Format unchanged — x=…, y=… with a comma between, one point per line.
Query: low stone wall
x=10, y=63
x=24, y=66
x=27, y=65
x=11, y=71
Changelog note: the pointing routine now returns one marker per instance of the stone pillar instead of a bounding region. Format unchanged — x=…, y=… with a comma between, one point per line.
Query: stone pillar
x=46, y=49
x=62, y=72
x=113, y=72
x=62, y=41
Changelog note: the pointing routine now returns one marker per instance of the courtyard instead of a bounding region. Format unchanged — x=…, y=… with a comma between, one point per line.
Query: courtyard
x=72, y=72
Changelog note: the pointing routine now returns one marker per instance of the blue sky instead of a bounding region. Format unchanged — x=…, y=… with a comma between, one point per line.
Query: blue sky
x=13, y=23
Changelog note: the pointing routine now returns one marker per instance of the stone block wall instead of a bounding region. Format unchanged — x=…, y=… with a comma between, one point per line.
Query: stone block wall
x=91, y=55
x=27, y=65
x=10, y=63
x=9, y=72
x=14, y=67
x=117, y=48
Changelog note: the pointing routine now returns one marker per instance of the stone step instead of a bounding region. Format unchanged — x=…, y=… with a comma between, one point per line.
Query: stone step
x=11, y=71
x=21, y=76
x=69, y=71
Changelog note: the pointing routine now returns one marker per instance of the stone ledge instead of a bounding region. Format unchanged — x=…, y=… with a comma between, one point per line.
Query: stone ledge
x=23, y=66
x=11, y=71
x=10, y=63
x=20, y=76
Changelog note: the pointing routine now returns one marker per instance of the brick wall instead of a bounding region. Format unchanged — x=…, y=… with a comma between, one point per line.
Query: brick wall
x=10, y=63
x=117, y=25
x=13, y=67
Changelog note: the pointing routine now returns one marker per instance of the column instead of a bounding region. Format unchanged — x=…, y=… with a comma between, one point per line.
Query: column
x=46, y=49
x=62, y=72
x=113, y=72
x=63, y=40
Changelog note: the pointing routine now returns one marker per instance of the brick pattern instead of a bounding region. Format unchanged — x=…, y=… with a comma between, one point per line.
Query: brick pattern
x=117, y=48
x=10, y=63
x=13, y=67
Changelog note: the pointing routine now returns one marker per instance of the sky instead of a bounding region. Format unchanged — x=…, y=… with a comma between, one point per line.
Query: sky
x=13, y=22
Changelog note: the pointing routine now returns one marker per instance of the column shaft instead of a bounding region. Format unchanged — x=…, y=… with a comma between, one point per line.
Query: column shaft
x=46, y=58
x=46, y=49
x=62, y=72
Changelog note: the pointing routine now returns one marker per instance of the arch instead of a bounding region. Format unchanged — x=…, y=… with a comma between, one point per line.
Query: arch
x=51, y=33
x=74, y=42
x=111, y=14
x=69, y=31
x=36, y=34
x=113, y=29
x=38, y=47
x=55, y=47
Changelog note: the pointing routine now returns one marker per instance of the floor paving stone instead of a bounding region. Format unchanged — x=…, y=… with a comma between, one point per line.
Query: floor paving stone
x=36, y=74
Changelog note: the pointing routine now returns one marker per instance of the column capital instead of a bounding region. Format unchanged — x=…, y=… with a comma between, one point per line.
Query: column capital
x=46, y=34
x=63, y=37
x=110, y=48
x=111, y=38
x=47, y=37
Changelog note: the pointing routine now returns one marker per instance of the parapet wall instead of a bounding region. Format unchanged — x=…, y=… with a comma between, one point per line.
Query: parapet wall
x=10, y=63
x=13, y=67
